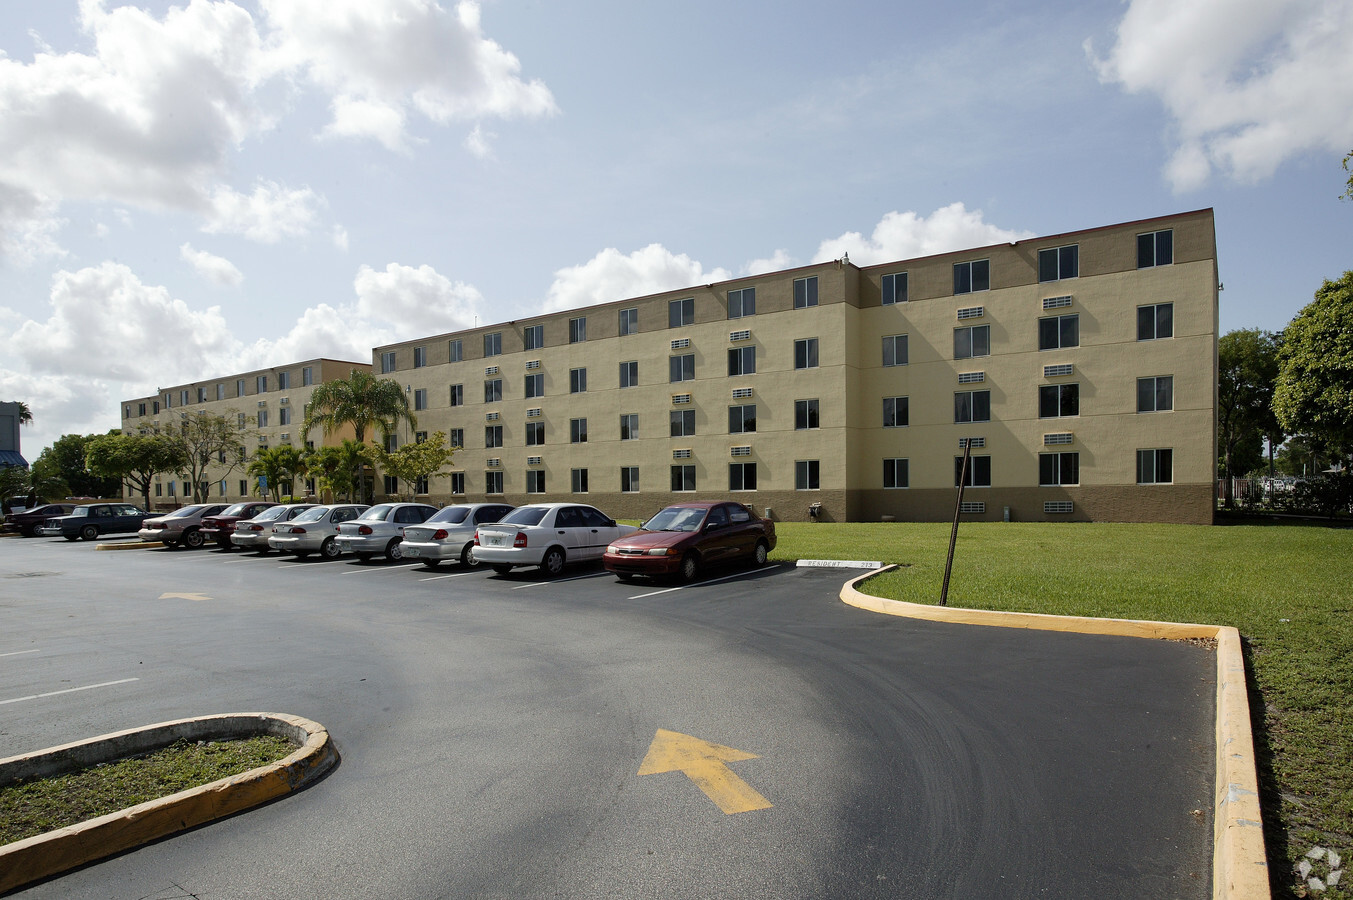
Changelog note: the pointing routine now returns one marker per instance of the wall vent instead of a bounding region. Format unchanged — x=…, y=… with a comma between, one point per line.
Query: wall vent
x=972, y=312
x=533, y=364
x=490, y=370
x=972, y=506
x=1058, y=371
x=742, y=451
x=491, y=417
x=744, y=335
x=681, y=454
x=1060, y=437
x=1056, y=302
x=1058, y=506
x=971, y=377
x=534, y=413
x=534, y=460
x=741, y=393
x=678, y=399
x=681, y=343
x=976, y=442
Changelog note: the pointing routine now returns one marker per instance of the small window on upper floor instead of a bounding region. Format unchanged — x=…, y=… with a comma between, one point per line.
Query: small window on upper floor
x=455, y=351
x=307, y=377
x=1058, y=332
x=742, y=303
x=895, y=288
x=283, y=381
x=1155, y=322
x=577, y=330
x=629, y=321
x=388, y=361
x=680, y=312
x=420, y=357
x=1155, y=248
x=805, y=292
x=493, y=344
x=533, y=337
x=1058, y=263
x=970, y=277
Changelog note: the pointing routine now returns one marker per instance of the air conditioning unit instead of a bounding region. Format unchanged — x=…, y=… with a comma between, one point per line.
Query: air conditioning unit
x=972, y=312
x=1057, y=371
x=492, y=417
x=534, y=413
x=976, y=442
x=681, y=343
x=491, y=370
x=284, y=401
x=744, y=335
x=533, y=364
x=681, y=454
x=742, y=451
x=971, y=377
x=262, y=404
x=681, y=398
x=534, y=460
x=1056, y=302
x=493, y=462
x=741, y=393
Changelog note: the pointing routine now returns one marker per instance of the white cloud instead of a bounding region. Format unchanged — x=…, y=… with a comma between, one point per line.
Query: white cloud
x=778, y=260
x=340, y=238
x=611, y=275
x=28, y=226
x=905, y=235
x=269, y=214
x=1249, y=83
x=478, y=142
x=380, y=62
x=414, y=302
x=216, y=269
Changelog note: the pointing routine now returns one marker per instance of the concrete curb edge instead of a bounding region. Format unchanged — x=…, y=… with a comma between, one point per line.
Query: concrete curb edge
x=1239, y=862
x=44, y=855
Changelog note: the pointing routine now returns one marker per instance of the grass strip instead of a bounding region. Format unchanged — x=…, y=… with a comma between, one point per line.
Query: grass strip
x=35, y=807
x=1288, y=589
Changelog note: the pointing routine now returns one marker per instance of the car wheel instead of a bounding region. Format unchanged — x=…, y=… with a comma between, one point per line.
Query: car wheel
x=172, y=545
x=467, y=557
x=193, y=539
x=762, y=554
x=31, y=531
x=501, y=568
x=431, y=563
x=394, y=551
x=690, y=567
x=89, y=533
x=301, y=554
x=330, y=549
x=553, y=562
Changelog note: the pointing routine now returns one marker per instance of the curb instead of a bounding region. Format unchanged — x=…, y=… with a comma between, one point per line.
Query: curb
x=1239, y=863
x=129, y=545
x=45, y=855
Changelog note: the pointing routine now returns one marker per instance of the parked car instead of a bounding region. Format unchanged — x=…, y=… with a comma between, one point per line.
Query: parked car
x=88, y=522
x=549, y=535
x=182, y=526
x=685, y=538
x=220, y=528
x=315, y=530
x=27, y=522
x=381, y=529
x=450, y=533
x=253, y=534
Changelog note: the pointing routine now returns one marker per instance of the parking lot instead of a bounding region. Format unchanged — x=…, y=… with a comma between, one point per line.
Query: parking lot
x=493, y=730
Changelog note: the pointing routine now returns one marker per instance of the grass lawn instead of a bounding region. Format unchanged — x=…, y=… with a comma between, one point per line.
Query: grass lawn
x=1287, y=589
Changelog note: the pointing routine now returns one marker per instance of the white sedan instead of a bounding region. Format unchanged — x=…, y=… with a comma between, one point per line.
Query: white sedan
x=549, y=535
x=450, y=533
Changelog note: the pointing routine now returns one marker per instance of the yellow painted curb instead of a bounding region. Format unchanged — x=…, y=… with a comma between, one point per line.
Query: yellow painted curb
x=130, y=545
x=1239, y=862
x=45, y=855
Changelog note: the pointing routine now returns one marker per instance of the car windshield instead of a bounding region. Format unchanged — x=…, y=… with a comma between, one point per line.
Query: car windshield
x=271, y=514
x=314, y=514
x=525, y=515
x=80, y=511
x=451, y=515
x=186, y=511
x=676, y=518
x=377, y=513
x=238, y=509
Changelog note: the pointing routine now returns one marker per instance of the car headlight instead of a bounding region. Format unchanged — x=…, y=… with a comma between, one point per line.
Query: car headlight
x=660, y=551
x=612, y=549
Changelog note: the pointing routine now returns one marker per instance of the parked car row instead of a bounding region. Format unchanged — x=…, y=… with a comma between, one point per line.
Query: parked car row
x=681, y=541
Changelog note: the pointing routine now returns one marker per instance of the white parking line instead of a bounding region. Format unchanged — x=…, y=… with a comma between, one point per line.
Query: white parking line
x=88, y=687
x=18, y=653
x=311, y=565
x=697, y=584
x=382, y=569
x=440, y=577
x=558, y=580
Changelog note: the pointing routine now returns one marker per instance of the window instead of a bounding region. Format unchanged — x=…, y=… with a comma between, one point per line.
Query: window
x=742, y=419
x=1059, y=332
x=456, y=438
x=629, y=479
x=805, y=353
x=183, y=397
x=420, y=357
x=391, y=485
x=742, y=303
x=391, y=443
x=681, y=368
x=493, y=344
x=972, y=406
x=577, y=381
x=493, y=390
x=1155, y=466
x=1155, y=322
x=420, y=400
x=387, y=363
x=535, y=386
x=742, y=476
x=895, y=350
x=979, y=471
x=683, y=422
x=805, y=414
x=895, y=288
x=493, y=436
x=455, y=352
x=972, y=276
x=171, y=488
x=629, y=427
x=1059, y=263
x=535, y=481
x=262, y=418
x=457, y=482
x=1155, y=248
x=493, y=482
x=629, y=321
x=244, y=488
x=577, y=430
x=457, y=395
x=420, y=484
x=535, y=434
x=533, y=337
x=239, y=391
x=741, y=360
x=895, y=412
x=683, y=478
x=806, y=475
x=805, y=292
x=1155, y=394
x=896, y=473
x=680, y=312
x=971, y=341
x=629, y=373
x=1059, y=468
x=283, y=417
x=577, y=331
x=1059, y=400
x=201, y=395
x=579, y=479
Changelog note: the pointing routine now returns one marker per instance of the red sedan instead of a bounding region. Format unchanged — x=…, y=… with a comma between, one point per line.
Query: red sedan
x=685, y=538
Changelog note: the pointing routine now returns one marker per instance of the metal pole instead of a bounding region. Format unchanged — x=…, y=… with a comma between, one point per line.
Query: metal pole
x=953, y=533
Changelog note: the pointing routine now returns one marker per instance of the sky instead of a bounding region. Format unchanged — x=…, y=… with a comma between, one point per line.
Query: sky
x=189, y=190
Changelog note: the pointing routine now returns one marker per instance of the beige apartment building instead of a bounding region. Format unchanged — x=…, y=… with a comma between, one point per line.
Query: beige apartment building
x=270, y=402
x=1081, y=367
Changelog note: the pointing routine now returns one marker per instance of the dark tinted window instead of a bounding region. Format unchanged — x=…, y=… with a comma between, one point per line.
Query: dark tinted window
x=452, y=515
x=526, y=515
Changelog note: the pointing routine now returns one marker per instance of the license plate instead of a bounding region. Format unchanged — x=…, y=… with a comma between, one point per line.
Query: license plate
x=494, y=540
x=410, y=551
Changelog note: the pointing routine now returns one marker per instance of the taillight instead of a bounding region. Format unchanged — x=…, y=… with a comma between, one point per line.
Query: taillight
x=439, y=534
x=519, y=540
x=255, y=527
x=475, y=542
x=296, y=529
x=363, y=529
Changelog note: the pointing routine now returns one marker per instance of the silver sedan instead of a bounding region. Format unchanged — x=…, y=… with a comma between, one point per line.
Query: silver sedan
x=450, y=533
x=316, y=529
x=253, y=534
x=380, y=530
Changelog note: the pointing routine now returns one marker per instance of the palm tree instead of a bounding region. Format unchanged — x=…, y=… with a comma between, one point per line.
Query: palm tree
x=25, y=414
x=363, y=401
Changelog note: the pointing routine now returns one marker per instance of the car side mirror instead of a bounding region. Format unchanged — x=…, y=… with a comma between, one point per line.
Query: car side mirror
x=610, y=523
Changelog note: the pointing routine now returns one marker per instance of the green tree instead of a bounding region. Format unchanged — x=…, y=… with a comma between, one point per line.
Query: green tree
x=334, y=468
x=277, y=466
x=135, y=458
x=208, y=440
x=63, y=469
x=414, y=462
x=1247, y=366
x=1348, y=189
x=25, y=414
x=1314, y=392
x=362, y=401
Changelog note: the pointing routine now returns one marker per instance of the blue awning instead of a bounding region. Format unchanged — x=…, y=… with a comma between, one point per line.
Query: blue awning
x=12, y=458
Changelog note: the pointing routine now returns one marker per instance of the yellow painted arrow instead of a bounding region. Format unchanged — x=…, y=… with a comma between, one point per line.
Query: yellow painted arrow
x=198, y=597
x=703, y=763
